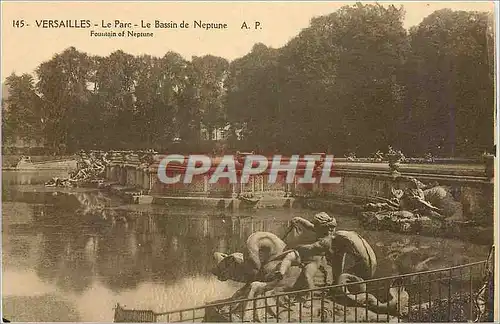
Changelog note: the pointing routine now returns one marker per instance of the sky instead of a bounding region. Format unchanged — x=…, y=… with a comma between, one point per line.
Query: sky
x=23, y=49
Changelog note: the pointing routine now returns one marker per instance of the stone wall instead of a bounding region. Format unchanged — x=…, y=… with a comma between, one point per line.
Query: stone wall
x=470, y=183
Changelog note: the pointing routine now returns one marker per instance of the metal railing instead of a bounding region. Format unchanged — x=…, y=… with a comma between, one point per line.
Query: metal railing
x=443, y=295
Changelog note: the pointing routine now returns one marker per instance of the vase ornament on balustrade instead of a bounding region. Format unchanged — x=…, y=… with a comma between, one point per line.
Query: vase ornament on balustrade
x=395, y=158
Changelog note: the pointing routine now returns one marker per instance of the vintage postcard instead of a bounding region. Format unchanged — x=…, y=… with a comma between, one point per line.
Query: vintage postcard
x=249, y=161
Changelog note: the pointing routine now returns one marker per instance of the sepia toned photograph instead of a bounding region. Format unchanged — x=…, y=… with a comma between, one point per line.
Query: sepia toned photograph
x=249, y=161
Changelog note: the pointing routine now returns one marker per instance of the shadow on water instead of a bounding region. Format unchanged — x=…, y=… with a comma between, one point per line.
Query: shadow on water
x=91, y=253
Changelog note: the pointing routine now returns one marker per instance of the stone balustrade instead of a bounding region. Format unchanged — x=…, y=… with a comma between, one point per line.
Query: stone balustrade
x=471, y=182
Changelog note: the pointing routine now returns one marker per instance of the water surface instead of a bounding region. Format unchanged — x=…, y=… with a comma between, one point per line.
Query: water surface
x=61, y=266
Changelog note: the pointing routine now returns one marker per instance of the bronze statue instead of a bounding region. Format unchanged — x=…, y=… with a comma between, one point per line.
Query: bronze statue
x=267, y=266
x=336, y=245
x=417, y=198
x=256, y=268
x=324, y=226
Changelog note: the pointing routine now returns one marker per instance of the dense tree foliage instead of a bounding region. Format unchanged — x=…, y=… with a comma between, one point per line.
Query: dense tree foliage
x=450, y=83
x=23, y=119
x=354, y=80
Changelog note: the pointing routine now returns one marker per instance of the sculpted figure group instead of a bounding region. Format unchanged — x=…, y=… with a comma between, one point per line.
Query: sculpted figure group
x=267, y=265
x=91, y=166
x=413, y=207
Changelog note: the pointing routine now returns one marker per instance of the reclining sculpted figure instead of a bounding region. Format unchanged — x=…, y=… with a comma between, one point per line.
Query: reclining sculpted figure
x=256, y=267
x=409, y=208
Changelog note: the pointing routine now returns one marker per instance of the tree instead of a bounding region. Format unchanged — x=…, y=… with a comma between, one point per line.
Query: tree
x=209, y=75
x=21, y=116
x=62, y=85
x=353, y=80
x=252, y=97
x=342, y=87
x=161, y=82
x=115, y=79
x=451, y=80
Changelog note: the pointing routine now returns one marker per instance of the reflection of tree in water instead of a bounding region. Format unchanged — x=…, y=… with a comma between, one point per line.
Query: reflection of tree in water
x=19, y=247
x=188, y=243
x=184, y=245
x=20, y=250
x=168, y=248
x=407, y=254
x=62, y=260
x=52, y=252
x=67, y=237
x=152, y=247
x=67, y=233
x=76, y=269
x=163, y=247
x=147, y=247
x=144, y=251
x=116, y=263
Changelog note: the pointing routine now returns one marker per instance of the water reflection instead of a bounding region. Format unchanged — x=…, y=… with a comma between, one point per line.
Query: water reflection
x=154, y=247
x=10, y=178
x=93, y=253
